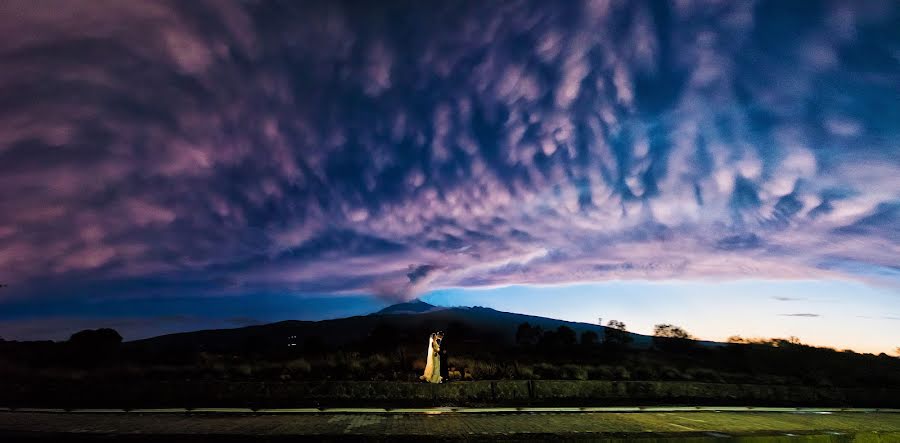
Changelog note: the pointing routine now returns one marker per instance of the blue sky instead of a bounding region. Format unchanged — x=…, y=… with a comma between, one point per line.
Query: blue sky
x=836, y=313
x=219, y=151
x=839, y=314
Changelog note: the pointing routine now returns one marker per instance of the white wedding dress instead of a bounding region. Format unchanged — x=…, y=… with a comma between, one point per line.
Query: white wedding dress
x=432, y=362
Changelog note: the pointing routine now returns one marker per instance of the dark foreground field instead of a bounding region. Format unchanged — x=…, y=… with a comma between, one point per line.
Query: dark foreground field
x=657, y=426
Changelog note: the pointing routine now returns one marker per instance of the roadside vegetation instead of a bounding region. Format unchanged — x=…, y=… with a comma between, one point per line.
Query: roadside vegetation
x=394, y=355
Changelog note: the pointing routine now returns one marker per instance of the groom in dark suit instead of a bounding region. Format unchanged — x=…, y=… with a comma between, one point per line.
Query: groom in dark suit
x=445, y=362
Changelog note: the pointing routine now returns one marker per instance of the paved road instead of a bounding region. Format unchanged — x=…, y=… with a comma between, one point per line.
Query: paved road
x=439, y=425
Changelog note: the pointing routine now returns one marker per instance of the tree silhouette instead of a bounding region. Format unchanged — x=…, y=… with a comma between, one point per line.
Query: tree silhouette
x=95, y=338
x=737, y=339
x=567, y=336
x=615, y=335
x=91, y=346
x=555, y=340
x=615, y=324
x=528, y=335
x=671, y=331
x=672, y=338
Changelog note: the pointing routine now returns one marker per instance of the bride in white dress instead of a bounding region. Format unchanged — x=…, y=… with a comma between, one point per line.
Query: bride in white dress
x=433, y=360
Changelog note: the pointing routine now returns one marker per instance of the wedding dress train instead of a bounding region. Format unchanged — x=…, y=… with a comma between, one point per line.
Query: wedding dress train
x=432, y=362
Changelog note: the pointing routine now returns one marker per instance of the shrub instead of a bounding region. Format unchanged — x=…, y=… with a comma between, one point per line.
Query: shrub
x=484, y=370
x=356, y=370
x=243, y=369
x=706, y=375
x=645, y=372
x=621, y=373
x=299, y=365
x=671, y=373
x=525, y=372
x=600, y=373
x=378, y=363
x=574, y=372
x=547, y=371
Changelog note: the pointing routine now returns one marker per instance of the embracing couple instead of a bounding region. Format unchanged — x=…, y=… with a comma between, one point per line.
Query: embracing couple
x=433, y=369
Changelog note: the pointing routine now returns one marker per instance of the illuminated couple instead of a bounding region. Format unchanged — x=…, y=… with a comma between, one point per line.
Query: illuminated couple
x=433, y=360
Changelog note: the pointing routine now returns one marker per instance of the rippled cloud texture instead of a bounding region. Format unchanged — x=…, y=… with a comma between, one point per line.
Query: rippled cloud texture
x=394, y=147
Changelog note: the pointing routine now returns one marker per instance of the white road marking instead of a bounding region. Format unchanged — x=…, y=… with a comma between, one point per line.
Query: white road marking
x=452, y=410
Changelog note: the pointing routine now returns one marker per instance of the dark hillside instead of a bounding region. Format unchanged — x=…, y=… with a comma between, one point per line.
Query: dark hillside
x=410, y=323
x=480, y=344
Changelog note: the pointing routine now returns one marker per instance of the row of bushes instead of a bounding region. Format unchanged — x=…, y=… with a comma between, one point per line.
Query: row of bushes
x=388, y=394
x=382, y=367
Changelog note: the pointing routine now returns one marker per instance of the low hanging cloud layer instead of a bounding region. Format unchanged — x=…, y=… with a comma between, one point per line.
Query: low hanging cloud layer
x=389, y=148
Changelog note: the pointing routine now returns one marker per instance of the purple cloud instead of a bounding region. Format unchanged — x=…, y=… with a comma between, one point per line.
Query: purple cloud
x=330, y=147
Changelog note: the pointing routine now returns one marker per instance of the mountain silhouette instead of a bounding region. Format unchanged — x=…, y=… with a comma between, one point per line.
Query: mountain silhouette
x=411, y=307
x=406, y=323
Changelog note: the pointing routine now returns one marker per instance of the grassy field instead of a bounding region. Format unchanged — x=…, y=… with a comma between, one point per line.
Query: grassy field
x=647, y=426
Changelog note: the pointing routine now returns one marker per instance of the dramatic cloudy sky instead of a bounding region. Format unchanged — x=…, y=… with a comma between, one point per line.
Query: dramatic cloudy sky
x=217, y=149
